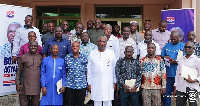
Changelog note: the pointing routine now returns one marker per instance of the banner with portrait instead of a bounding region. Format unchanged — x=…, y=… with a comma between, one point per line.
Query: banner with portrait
x=12, y=17
x=181, y=20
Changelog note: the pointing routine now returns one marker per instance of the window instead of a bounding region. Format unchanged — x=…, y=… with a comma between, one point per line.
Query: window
x=57, y=15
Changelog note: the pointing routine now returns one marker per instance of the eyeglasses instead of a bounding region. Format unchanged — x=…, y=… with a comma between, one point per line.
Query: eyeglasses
x=189, y=47
x=191, y=34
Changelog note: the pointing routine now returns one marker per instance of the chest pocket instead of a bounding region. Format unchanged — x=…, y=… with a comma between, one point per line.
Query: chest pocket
x=63, y=48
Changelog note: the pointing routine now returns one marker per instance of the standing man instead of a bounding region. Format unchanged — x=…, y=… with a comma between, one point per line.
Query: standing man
x=25, y=48
x=161, y=35
x=76, y=76
x=134, y=34
x=187, y=88
x=191, y=37
x=90, y=24
x=21, y=36
x=127, y=41
x=96, y=32
x=44, y=29
x=49, y=34
x=53, y=69
x=147, y=27
x=77, y=35
x=170, y=53
x=112, y=41
x=6, y=49
x=28, y=76
x=64, y=44
x=65, y=27
x=101, y=74
x=153, y=77
x=142, y=46
x=128, y=68
x=116, y=30
x=86, y=45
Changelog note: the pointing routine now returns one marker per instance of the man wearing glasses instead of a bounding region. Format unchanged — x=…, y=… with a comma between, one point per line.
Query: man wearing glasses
x=191, y=37
x=187, y=88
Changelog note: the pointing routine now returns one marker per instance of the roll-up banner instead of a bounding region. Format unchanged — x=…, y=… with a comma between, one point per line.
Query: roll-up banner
x=181, y=20
x=12, y=17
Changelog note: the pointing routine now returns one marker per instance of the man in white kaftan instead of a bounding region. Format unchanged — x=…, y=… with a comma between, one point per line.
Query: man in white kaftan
x=101, y=74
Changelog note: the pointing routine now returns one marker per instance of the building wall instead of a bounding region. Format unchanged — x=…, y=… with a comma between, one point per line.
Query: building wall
x=176, y=4
x=153, y=13
x=88, y=7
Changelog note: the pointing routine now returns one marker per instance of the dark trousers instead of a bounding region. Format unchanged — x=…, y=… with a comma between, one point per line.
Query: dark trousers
x=124, y=97
x=76, y=96
x=191, y=95
x=25, y=99
x=169, y=90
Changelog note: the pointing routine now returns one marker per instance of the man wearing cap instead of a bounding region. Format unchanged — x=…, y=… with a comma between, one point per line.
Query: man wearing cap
x=134, y=34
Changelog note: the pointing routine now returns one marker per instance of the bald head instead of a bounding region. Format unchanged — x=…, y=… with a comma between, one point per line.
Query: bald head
x=175, y=37
x=191, y=36
x=33, y=46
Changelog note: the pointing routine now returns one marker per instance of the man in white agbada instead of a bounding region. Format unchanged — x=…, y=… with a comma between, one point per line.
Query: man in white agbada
x=101, y=74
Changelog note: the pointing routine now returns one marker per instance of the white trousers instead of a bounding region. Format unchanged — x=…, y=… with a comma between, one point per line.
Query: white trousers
x=105, y=103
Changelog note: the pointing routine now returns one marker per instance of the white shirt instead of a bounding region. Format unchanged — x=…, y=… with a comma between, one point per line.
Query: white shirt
x=101, y=74
x=142, y=49
x=128, y=42
x=113, y=44
x=192, y=62
x=21, y=38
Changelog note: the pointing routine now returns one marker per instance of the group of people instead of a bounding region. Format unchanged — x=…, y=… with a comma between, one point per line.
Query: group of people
x=101, y=60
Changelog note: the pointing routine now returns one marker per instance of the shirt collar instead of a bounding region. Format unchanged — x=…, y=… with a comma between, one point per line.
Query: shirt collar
x=159, y=31
x=192, y=56
x=54, y=38
x=71, y=55
x=111, y=37
x=27, y=28
x=124, y=59
x=86, y=44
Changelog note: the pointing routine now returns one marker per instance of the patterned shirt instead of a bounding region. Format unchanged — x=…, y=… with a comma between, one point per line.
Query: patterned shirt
x=73, y=38
x=86, y=49
x=127, y=70
x=5, y=50
x=153, y=72
x=197, y=49
x=76, y=68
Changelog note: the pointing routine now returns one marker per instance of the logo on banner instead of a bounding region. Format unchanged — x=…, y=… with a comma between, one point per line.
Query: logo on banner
x=9, y=83
x=10, y=14
x=171, y=20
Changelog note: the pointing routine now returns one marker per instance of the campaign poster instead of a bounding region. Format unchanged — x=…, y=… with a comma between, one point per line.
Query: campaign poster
x=12, y=17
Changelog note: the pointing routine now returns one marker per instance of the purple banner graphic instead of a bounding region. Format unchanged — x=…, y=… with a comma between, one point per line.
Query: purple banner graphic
x=181, y=20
